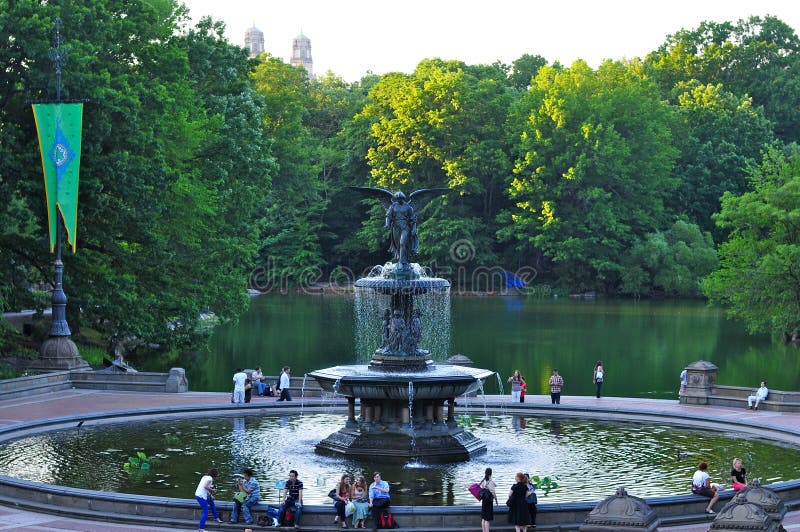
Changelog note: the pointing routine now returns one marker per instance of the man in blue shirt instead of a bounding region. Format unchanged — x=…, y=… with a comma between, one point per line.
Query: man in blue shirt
x=248, y=485
x=378, y=498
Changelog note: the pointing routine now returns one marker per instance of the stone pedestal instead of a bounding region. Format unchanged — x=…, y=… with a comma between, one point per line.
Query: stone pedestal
x=176, y=382
x=753, y=508
x=744, y=516
x=59, y=353
x=621, y=513
x=701, y=377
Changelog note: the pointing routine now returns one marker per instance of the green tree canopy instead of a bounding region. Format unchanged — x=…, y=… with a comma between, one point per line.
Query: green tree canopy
x=759, y=276
x=593, y=169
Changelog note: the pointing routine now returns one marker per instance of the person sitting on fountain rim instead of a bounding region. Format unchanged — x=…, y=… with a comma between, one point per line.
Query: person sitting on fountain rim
x=378, y=497
x=294, y=497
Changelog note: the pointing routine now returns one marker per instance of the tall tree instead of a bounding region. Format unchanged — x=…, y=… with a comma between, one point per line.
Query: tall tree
x=593, y=169
x=757, y=57
x=719, y=135
x=290, y=251
x=759, y=275
x=157, y=240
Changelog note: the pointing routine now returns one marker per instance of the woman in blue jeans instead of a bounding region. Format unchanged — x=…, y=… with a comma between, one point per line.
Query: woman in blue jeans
x=205, y=498
x=250, y=486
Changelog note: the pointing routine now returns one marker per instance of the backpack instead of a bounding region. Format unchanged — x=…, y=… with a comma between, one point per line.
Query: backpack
x=287, y=518
x=385, y=520
x=486, y=494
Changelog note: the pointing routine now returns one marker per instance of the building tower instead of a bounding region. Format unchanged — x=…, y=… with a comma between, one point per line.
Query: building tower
x=301, y=54
x=254, y=41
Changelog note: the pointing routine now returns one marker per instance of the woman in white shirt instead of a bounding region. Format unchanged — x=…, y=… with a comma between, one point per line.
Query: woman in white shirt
x=701, y=485
x=205, y=498
x=597, y=375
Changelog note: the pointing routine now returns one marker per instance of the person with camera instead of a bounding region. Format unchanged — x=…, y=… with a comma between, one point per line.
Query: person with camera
x=248, y=494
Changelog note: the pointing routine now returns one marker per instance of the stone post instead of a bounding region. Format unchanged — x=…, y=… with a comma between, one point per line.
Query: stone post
x=176, y=381
x=701, y=377
x=621, y=513
x=753, y=508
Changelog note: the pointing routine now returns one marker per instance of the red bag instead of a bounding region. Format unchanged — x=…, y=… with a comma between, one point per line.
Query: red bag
x=475, y=490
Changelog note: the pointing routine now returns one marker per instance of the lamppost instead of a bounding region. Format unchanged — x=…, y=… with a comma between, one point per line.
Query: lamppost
x=56, y=124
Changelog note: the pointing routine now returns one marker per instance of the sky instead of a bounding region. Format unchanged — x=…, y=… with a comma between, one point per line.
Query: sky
x=354, y=37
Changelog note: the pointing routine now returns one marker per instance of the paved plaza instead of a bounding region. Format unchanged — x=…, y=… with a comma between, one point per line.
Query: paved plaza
x=77, y=402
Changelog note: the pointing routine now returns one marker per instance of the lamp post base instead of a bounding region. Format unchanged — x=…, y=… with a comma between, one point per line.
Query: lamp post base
x=59, y=353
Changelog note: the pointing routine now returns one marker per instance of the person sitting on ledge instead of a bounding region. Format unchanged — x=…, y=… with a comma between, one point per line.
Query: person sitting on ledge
x=760, y=395
x=701, y=485
x=378, y=498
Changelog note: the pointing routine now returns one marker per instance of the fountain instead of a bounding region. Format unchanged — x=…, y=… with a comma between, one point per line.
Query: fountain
x=407, y=402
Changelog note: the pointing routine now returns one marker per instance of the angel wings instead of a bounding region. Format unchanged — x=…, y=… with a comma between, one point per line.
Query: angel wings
x=401, y=218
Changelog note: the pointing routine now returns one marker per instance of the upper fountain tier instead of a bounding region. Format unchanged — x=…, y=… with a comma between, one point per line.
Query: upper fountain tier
x=392, y=278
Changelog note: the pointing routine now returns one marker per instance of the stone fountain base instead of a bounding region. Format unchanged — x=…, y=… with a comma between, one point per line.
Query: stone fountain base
x=445, y=442
x=404, y=415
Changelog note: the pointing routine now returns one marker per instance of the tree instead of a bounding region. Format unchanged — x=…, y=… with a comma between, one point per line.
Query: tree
x=290, y=250
x=719, y=135
x=443, y=126
x=593, y=169
x=171, y=169
x=758, y=280
x=673, y=263
x=754, y=57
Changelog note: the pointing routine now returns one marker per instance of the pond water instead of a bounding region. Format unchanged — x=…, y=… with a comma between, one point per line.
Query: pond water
x=590, y=459
x=643, y=344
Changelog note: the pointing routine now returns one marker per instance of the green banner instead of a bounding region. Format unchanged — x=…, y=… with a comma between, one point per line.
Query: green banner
x=59, y=126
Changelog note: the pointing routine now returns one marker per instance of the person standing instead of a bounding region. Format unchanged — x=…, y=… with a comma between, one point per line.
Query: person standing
x=239, y=379
x=597, y=375
x=516, y=389
x=205, y=498
x=684, y=383
x=487, y=504
x=285, y=382
x=250, y=486
x=701, y=485
x=294, y=497
x=556, y=383
x=531, y=499
x=759, y=396
x=518, y=514
x=378, y=498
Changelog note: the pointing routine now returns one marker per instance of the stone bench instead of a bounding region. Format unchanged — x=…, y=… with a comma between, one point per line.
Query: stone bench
x=736, y=397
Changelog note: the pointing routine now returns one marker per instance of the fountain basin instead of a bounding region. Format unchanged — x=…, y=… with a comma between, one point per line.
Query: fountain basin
x=439, y=381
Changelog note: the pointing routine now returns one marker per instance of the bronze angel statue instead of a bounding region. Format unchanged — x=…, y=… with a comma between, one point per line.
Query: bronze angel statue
x=401, y=219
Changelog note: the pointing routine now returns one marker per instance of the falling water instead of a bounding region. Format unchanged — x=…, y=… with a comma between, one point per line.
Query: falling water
x=303, y=393
x=370, y=304
x=411, y=404
x=502, y=393
x=483, y=396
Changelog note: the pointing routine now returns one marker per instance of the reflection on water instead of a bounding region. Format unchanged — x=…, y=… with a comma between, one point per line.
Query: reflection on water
x=644, y=345
x=590, y=459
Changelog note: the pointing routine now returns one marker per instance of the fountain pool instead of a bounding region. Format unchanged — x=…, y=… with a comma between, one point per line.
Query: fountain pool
x=590, y=458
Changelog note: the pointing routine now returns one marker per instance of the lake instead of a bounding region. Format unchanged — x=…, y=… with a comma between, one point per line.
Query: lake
x=643, y=344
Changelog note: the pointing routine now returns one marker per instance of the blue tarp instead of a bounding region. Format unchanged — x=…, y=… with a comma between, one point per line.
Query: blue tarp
x=512, y=281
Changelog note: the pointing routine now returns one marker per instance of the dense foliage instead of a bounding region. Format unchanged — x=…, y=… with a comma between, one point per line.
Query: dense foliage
x=205, y=171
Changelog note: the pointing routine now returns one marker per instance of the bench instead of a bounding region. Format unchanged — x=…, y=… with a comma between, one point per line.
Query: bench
x=736, y=397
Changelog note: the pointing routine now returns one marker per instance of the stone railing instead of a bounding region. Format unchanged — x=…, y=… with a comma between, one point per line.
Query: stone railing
x=702, y=389
x=172, y=382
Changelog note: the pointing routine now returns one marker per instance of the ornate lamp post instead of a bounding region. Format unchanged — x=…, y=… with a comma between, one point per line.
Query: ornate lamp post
x=56, y=124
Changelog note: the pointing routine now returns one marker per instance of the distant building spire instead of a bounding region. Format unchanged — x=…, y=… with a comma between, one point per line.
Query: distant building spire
x=254, y=41
x=301, y=54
